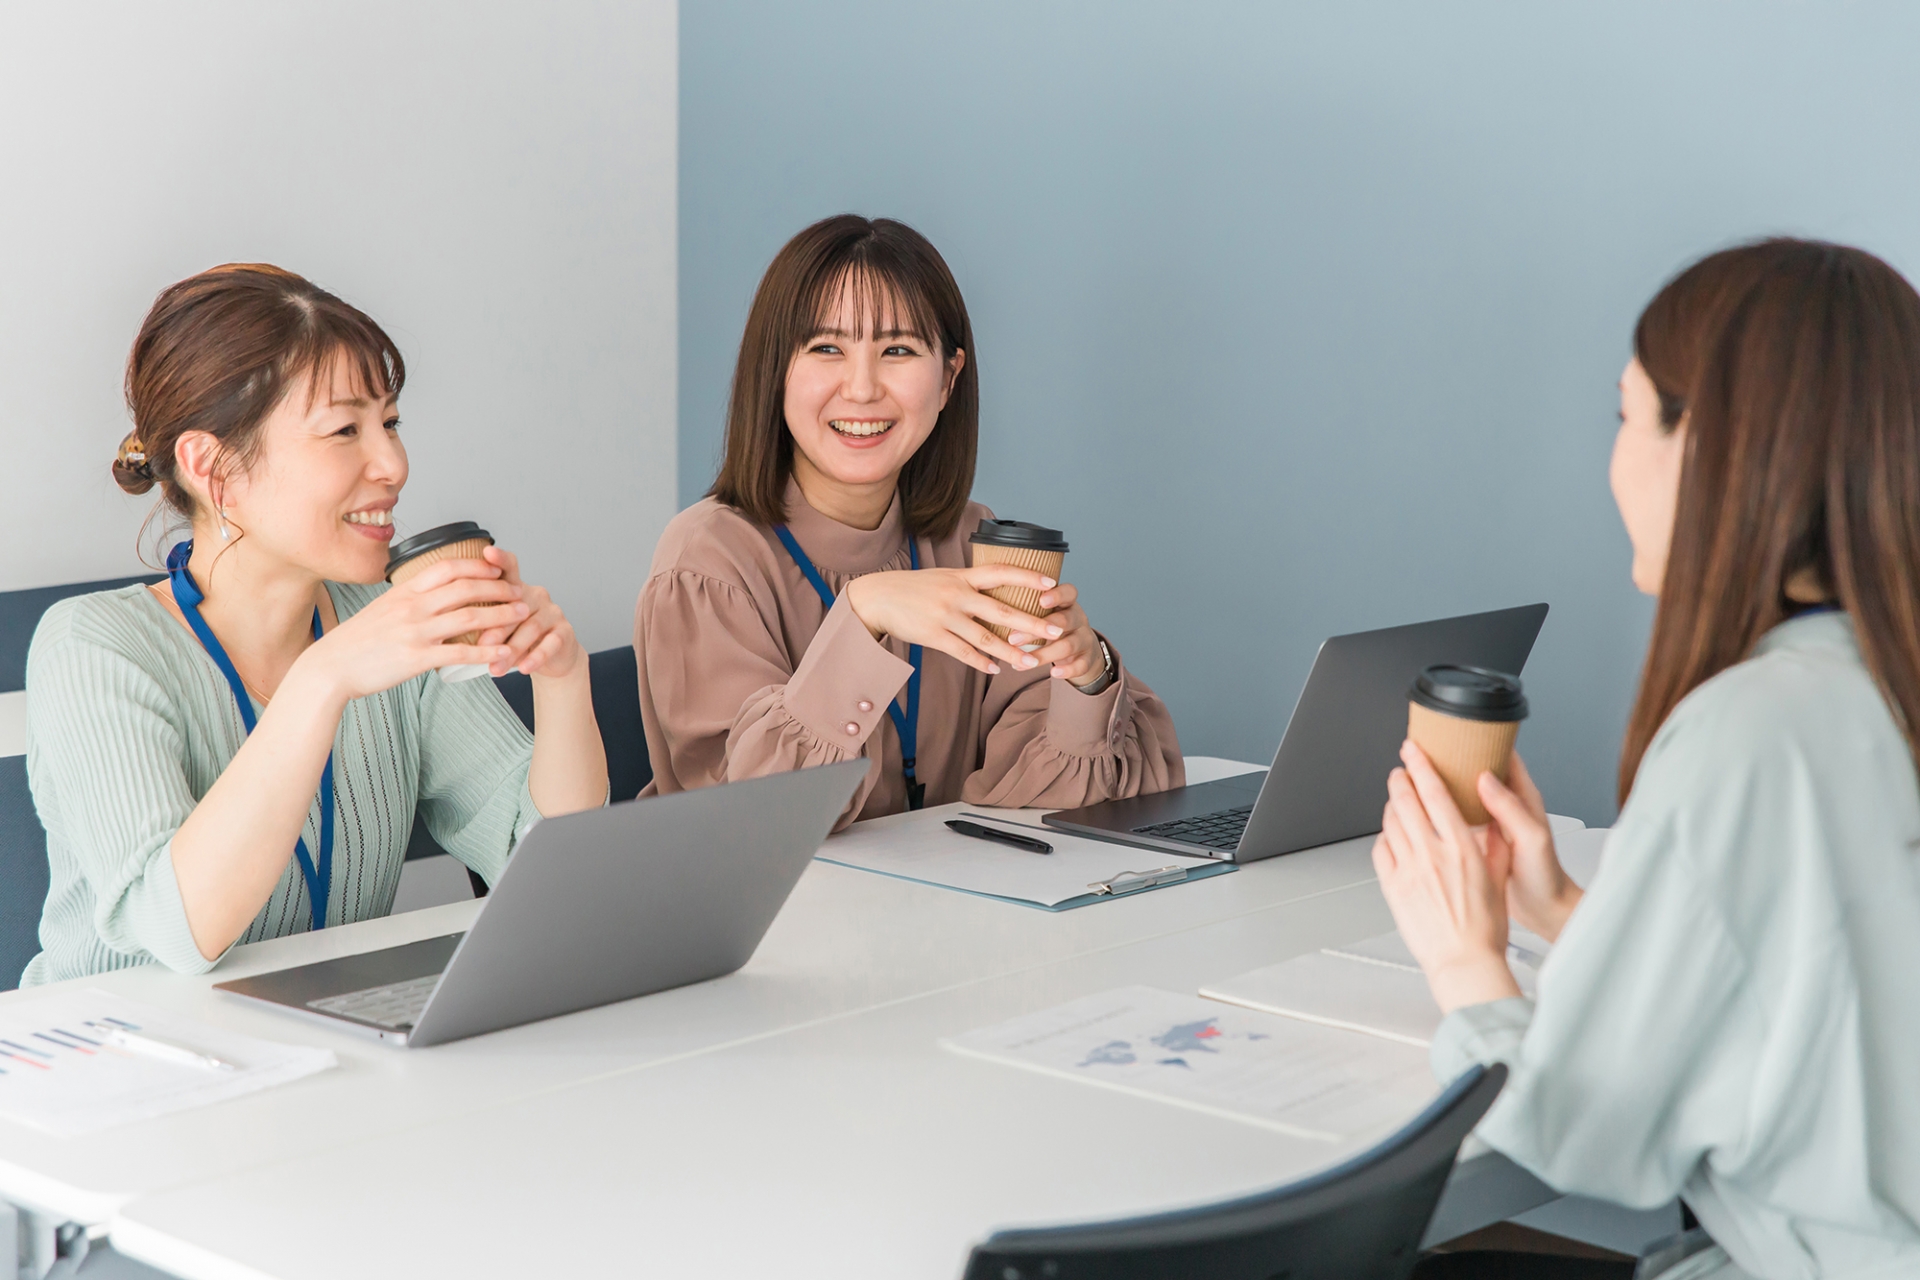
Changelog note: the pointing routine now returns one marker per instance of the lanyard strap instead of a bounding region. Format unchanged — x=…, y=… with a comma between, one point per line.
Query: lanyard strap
x=907, y=725
x=187, y=594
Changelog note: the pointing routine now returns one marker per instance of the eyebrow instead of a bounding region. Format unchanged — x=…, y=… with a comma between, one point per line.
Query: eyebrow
x=361, y=402
x=878, y=333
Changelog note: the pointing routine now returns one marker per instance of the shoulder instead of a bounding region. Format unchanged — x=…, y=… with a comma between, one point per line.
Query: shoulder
x=127, y=622
x=1772, y=743
x=952, y=549
x=713, y=541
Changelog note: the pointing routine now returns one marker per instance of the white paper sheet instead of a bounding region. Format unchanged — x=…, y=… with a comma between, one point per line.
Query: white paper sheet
x=918, y=846
x=1308, y=1081
x=64, y=1079
x=1373, y=986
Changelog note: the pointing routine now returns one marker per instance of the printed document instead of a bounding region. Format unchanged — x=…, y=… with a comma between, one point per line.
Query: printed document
x=60, y=1073
x=1301, y=1079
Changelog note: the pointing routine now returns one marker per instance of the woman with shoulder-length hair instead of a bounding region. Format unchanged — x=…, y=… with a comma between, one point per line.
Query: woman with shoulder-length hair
x=819, y=604
x=1730, y=1012
x=237, y=753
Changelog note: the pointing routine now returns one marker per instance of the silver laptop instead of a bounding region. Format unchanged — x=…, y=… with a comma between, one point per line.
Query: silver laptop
x=1329, y=778
x=592, y=908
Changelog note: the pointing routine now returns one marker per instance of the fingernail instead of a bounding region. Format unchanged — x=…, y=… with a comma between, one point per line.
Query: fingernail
x=1046, y=602
x=1048, y=582
x=993, y=668
x=1055, y=632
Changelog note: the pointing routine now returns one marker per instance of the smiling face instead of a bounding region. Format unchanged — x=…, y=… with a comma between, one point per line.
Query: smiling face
x=1645, y=476
x=319, y=494
x=862, y=395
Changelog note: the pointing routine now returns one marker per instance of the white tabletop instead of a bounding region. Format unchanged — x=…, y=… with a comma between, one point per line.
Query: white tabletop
x=805, y=1092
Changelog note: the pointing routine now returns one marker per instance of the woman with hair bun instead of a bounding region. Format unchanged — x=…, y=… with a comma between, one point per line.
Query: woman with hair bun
x=1730, y=1013
x=181, y=820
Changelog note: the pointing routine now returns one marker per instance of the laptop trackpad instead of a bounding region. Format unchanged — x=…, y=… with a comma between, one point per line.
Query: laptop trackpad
x=309, y=982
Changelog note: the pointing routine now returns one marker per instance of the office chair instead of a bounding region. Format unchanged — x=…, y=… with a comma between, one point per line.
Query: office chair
x=616, y=706
x=23, y=842
x=1361, y=1220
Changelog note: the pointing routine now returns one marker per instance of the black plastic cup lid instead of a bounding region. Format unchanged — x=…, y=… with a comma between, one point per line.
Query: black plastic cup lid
x=1018, y=533
x=1471, y=693
x=421, y=543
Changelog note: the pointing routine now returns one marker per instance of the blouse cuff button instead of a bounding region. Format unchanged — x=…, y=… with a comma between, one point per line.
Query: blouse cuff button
x=864, y=705
x=853, y=728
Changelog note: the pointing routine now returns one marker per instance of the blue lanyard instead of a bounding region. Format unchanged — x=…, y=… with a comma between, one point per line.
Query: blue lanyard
x=907, y=725
x=187, y=594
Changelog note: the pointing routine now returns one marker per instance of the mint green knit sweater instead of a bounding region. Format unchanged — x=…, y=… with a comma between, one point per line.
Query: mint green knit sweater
x=129, y=722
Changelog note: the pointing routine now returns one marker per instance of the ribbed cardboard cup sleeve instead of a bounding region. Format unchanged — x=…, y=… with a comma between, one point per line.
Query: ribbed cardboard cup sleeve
x=1461, y=750
x=1025, y=599
x=471, y=549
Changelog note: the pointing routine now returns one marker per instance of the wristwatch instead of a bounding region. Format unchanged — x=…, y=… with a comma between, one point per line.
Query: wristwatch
x=1107, y=676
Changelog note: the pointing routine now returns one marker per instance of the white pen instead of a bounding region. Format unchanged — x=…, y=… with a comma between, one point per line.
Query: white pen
x=158, y=1049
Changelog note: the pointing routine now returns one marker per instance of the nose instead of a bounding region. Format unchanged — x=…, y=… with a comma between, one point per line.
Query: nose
x=386, y=457
x=862, y=384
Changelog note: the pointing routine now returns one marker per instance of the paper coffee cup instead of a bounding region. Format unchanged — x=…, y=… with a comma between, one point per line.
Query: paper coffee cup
x=464, y=540
x=1465, y=719
x=1025, y=546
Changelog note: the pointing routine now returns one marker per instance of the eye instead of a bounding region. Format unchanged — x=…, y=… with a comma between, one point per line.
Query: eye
x=347, y=432
x=900, y=349
x=393, y=423
x=823, y=349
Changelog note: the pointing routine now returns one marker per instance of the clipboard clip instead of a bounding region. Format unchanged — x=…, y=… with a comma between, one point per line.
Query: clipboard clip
x=1130, y=881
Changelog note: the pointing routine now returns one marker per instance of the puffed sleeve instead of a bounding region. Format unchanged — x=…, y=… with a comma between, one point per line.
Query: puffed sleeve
x=723, y=699
x=1049, y=746
x=106, y=752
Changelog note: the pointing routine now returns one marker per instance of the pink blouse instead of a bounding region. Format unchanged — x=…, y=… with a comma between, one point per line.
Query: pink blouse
x=744, y=672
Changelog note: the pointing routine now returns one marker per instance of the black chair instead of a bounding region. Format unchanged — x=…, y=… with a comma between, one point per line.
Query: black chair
x=23, y=843
x=1361, y=1220
x=616, y=705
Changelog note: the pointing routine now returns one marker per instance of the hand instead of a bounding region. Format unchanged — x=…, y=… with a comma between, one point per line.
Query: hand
x=1539, y=893
x=402, y=633
x=1446, y=890
x=543, y=644
x=1076, y=655
x=944, y=609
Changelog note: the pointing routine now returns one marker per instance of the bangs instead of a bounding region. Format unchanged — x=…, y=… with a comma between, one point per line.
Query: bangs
x=884, y=299
x=333, y=346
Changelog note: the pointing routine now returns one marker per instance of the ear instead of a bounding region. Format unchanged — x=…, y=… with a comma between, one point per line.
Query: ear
x=954, y=366
x=197, y=467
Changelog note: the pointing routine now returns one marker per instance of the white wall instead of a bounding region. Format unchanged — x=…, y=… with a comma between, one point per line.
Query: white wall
x=494, y=183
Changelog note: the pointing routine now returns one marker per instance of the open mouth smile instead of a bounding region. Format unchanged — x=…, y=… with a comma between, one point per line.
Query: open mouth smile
x=376, y=523
x=861, y=429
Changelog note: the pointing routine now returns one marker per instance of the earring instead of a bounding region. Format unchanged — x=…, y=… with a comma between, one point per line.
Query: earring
x=225, y=533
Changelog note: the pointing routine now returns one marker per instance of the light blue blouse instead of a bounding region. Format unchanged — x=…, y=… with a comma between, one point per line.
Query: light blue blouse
x=1732, y=1015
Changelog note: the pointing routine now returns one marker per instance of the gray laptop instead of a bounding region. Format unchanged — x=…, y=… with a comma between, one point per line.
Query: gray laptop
x=1329, y=778
x=592, y=908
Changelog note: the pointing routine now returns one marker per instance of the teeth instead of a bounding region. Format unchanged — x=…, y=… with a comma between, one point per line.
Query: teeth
x=845, y=427
x=370, y=517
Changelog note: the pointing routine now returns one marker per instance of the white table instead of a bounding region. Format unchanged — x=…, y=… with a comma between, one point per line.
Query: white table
x=798, y=1109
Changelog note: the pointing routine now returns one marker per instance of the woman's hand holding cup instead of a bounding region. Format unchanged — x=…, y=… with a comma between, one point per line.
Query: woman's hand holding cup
x=405, y=632
x=947, y=609
x=543, y=643
x=1076, y=654
x=1540, y=894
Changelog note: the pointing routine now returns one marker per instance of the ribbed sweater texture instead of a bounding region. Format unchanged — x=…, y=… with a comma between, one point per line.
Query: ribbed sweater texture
x=129, y=723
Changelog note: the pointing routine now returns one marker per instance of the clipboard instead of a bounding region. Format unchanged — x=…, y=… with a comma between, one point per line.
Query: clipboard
x=1081, y=871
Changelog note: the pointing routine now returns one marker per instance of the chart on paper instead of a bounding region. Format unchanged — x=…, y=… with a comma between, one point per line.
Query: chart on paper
x=65, y=1071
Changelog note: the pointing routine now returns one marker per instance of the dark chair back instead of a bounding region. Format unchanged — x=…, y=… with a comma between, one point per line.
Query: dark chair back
x=1361, y=1220
x=616, y=705
x=23, y=842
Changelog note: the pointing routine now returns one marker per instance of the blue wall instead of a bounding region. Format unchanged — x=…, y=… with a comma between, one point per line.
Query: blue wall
x=1300, y=318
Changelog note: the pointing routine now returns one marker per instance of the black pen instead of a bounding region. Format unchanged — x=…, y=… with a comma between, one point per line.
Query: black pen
x=979, y=832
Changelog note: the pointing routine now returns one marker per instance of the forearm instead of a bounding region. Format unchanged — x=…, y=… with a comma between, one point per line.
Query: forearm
x=569, y=770
x=233, y=848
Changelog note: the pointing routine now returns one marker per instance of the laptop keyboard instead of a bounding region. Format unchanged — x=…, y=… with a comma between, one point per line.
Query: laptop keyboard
x=394, y=1006
x=1221, y=830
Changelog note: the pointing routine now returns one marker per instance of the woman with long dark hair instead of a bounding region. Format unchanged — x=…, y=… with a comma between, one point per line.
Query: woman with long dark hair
x=821, y=604
x=237, y=753
x=1730, y=1012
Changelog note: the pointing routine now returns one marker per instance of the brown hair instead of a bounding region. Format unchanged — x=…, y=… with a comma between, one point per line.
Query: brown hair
x=891, y=268
x=219, y=350
x=1797, y=367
